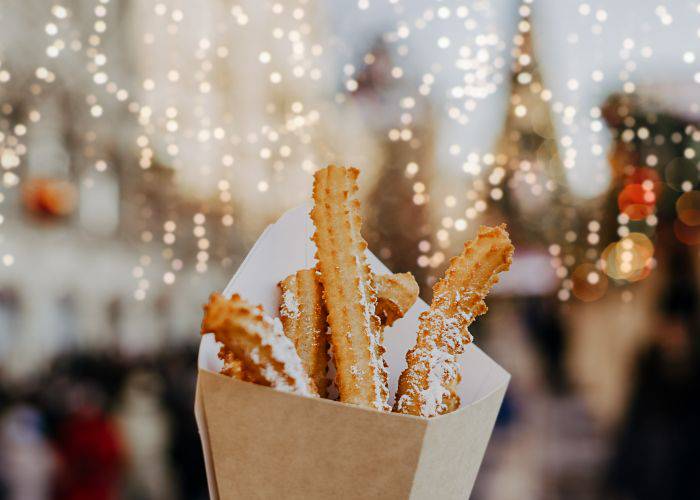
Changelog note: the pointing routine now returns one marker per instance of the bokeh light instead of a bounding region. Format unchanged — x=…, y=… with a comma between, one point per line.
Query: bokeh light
x=589, y=283
x=690, y=235
x=681, y=174
x=688, y=208
x=630, y=258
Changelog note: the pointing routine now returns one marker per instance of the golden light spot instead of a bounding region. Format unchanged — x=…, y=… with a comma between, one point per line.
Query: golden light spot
x=688, y=208
x=629, y=259
x=589, y=284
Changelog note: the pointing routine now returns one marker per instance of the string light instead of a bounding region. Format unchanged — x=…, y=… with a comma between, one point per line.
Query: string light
x=210, y=154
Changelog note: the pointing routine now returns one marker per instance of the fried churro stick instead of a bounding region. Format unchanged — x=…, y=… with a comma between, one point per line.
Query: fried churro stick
x=428, y=385
x=396, y=294
x=349, y=291
x=268, y=356
x=303, y=316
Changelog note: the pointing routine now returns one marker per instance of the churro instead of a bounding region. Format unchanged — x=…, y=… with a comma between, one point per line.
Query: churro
x=349, y=291
x=267, y=355
x=303, y=316
x=396, y=294
x=427, y=387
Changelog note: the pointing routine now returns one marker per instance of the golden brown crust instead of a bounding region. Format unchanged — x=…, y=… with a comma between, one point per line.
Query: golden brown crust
x=303, y=315
x=428, y=385
x=349, y=291
x=268, y=356
x=396, y=294
x=232, y=367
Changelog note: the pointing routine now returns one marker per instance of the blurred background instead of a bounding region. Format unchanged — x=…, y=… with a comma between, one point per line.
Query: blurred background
x=144, y=145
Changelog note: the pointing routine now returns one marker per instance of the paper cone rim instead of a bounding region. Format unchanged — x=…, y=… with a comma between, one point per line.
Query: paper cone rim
x=357, y=407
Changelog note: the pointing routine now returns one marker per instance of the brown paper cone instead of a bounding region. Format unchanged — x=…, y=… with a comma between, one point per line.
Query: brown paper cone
x=262, y=443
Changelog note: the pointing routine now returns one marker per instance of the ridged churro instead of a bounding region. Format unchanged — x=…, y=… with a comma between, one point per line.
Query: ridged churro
x=427, y=387
x=349, y=291
x=268, y=356
x=396, y=294
x=303, y=315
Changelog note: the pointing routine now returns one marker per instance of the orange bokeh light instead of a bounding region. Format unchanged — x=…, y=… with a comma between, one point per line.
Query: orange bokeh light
x=637, y=200
x=690, y=235
x=590, y=284
x=49, y=197
x=629, y=259
x=688, y=208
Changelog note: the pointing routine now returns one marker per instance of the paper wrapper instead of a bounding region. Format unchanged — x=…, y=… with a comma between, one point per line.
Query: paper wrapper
x=262, y=443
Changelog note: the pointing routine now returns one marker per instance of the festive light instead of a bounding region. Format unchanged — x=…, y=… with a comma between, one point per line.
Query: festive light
x=688, y=208
x=630, y=258
x=589, y=283
x=239, y=105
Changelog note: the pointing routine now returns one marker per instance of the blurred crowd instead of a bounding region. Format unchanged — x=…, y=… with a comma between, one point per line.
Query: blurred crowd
x=95, y=426
x=554, y=442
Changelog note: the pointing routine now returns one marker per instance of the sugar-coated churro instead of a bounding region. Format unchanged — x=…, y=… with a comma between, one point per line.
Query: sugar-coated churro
x=349, y=291
x=303, y=315
x=396, y=293
x=268, y=356
x=427, y=387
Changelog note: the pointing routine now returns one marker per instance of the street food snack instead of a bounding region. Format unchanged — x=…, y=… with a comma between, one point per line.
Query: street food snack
x=303, y=315
x=349, y=290
x=342, y=303
x=304, y=318
x=396, y=294
x=427, y=387
x=329, y=340
x=267, y=355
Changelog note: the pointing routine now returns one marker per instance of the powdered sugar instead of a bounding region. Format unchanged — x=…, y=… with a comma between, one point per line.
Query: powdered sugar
x=290, y=305
x=283, y=351
x=442, y=367
x=376, y=362
x=443, y=336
